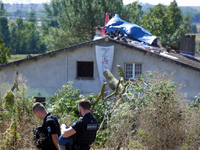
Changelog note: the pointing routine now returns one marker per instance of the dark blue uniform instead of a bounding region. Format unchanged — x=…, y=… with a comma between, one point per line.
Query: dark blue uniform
x=50, y=126
x=86, y=129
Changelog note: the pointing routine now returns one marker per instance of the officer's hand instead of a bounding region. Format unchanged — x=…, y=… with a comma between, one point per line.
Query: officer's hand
x=63, y=126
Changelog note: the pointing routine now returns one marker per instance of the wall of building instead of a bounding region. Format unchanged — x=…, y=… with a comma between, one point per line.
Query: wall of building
x=45, y=74
x=50, y=73
x=188, y=77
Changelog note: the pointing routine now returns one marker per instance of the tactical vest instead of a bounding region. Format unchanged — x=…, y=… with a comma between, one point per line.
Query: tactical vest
x=88, y=134
x=44, y=140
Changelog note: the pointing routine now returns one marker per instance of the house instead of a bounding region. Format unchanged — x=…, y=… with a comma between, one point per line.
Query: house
x=84, y=64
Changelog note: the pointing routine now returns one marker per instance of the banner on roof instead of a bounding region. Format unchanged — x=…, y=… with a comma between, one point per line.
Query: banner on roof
x=104, y=57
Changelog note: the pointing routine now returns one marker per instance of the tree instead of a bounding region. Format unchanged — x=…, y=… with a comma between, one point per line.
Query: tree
x=51, y=19
x=4, y=29
x=14, y=37
x=175, y=16
x=19, y=12
x=194, y=29
x=187, y=23
x=167, y=23
x=32, y=17
x=133, y=13
x=77, y=20
x=26, y=37
x=4, y=52
x=157, y=22
x=18, y=35
x=32, y=38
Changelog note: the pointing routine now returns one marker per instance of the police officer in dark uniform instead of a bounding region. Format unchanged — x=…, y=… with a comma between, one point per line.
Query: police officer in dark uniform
x=50, y=129
x=84, y=129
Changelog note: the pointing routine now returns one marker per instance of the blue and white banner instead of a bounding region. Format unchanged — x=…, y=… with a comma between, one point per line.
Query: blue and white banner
x=104, y=56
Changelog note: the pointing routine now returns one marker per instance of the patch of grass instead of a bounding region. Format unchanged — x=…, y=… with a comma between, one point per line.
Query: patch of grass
x=17, y=57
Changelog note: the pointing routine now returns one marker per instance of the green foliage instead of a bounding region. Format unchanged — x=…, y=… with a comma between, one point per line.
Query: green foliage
x=153, y=113
x=135, y=144
x=4, y=52
x=17, y=35
x=193, y=11
x=175, y=16
x=32, y=17
x=25, y=36
x=12, y=137
x=194, y=29
x=65, y=102
x=165, y=121
x=120, y=126
x=15, y=112
x=187, y=23
x=77, y=20
x=9, y=100
x=133, y=13
x=52, y=12
x=4, y=29
x=167, y=23
x=196, y=102
x=156, y=20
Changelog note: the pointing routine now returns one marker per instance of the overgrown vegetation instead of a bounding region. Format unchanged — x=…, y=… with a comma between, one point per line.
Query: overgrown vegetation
x=146, y=113
x=4, y=52
x=16, y=120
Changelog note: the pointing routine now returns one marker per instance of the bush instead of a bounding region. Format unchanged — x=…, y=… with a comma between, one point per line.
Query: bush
x=161, y=120
x=120, y=127
x=16, y=122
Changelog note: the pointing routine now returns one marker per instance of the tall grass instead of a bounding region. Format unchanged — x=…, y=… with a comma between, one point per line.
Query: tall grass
x=16, y=118
x=155, y=116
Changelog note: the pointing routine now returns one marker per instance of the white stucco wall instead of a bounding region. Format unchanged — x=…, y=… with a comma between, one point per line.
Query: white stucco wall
x=50, y=73
x=189, y=77
x=84, y=54
x=46, y=73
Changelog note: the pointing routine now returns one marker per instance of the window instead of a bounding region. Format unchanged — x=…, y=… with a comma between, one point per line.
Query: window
x=132, y=70
x=85, y=69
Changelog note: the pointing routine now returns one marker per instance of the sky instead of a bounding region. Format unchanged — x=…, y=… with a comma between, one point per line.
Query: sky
x=154, y=2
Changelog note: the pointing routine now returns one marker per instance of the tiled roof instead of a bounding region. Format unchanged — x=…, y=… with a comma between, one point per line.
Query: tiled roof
x=160, y=53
